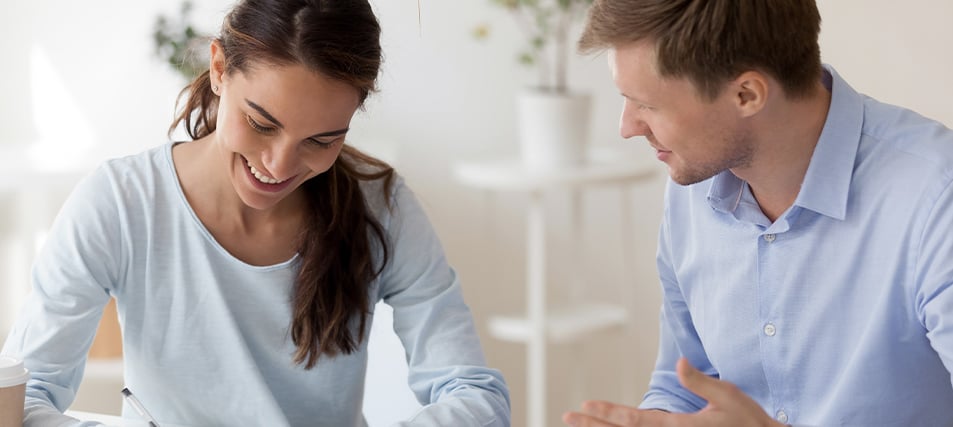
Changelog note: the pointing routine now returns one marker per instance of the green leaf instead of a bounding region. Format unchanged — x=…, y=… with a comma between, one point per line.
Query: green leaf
x=538, y=42
x=527, y=59
x=541, y=19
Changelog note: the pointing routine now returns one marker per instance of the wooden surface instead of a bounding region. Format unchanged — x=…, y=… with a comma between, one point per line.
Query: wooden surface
x=108, y=342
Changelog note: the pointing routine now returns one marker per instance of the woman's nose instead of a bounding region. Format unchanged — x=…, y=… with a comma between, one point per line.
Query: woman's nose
x=281, y=159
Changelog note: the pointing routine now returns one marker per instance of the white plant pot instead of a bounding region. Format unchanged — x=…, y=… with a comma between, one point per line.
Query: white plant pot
x=554, y=128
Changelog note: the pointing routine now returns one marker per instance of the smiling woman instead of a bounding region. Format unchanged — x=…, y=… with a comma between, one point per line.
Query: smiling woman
x=246, y=262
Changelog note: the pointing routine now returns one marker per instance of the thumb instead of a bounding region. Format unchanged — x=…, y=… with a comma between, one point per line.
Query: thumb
x=697, y=382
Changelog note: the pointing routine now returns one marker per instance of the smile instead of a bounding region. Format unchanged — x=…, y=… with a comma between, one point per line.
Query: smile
x=260, y=176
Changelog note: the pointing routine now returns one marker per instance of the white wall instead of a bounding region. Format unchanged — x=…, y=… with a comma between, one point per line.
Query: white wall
x=447, y=98
x=898, y=52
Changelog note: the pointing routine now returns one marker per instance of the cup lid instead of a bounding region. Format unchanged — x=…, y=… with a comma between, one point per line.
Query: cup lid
x=12, y=372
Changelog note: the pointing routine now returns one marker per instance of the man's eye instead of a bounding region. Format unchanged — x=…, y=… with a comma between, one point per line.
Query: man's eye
x=255, y=125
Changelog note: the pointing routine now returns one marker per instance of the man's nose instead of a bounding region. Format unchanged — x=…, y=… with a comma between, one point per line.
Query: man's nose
x=631, y=123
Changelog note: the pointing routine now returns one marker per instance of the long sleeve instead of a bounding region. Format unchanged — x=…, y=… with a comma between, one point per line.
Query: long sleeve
x=448, y=373
x=198, y=324
x=70, y=285
x=836, y=312
x=934, y=276
x=677, y=338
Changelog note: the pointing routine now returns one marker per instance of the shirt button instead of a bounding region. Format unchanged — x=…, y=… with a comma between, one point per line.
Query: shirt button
x=770, y=330
x=769, y=238
x=782, y=417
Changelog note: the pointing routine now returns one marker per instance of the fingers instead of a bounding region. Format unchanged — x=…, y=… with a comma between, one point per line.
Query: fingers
x=599, y=413
x=611, y=412
x=576, y=419
x=708, y=388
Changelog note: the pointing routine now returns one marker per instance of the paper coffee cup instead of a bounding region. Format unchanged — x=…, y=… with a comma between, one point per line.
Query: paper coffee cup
x=13, y=378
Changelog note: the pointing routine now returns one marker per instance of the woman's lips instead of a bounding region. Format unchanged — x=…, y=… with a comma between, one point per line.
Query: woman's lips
x=271, y=188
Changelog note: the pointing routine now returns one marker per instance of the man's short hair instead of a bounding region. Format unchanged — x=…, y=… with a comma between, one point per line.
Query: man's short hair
x=710, y=42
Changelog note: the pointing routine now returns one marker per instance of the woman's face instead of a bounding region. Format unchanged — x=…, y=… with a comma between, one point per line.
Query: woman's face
x=279, y=126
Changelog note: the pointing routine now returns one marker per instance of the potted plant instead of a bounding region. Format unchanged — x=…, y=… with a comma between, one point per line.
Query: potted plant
x=553, y=120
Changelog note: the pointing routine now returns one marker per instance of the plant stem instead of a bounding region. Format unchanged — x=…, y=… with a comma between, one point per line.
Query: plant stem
x=527, y=24
x=561, y=54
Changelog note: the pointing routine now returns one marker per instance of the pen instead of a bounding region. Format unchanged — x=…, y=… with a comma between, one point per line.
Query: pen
x=137, y=405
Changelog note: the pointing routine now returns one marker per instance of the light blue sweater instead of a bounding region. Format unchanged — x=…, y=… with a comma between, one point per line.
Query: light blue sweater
x=206, y=336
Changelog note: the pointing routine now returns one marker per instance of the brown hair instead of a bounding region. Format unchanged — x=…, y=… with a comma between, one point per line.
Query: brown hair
x=713, y=41
x=339, y=39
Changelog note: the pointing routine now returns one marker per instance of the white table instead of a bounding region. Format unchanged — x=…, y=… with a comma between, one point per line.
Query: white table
x=113, y=420
x=108, y=420
x=539, y=326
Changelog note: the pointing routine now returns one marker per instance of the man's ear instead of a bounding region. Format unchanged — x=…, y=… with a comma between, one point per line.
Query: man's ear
x=216, y=66
x=750, y=92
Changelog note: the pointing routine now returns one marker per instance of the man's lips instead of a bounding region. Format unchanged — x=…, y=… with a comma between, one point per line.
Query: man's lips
x=660, y=153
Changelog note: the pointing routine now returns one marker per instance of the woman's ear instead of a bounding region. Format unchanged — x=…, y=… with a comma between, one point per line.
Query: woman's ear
x=216, y=67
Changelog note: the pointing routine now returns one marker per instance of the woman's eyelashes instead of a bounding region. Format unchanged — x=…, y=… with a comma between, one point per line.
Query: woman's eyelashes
x=322, y=144
x=269, y=130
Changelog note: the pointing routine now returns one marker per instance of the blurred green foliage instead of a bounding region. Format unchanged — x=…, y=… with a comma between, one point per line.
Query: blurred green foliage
x=179, y=44
x=545, y=25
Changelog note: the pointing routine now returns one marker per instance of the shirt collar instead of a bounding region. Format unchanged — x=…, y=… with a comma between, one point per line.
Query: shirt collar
x=827, y=181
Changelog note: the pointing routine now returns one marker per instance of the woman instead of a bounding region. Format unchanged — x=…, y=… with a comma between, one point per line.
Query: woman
x=245, y=263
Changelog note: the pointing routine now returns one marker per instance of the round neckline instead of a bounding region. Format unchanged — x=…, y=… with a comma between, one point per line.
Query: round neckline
x=174, y=174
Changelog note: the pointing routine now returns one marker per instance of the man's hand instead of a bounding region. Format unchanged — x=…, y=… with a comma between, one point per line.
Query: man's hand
x=727, y=406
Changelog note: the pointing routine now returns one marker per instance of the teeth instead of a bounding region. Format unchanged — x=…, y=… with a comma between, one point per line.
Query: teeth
x=261, y=177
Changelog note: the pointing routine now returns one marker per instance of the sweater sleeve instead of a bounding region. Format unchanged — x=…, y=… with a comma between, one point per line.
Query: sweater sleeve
x=447, y=371
x=71, y=281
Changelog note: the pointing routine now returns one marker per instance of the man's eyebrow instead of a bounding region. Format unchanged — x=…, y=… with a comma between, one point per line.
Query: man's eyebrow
x=632, y=98
x=265, y=113
x=637, y=100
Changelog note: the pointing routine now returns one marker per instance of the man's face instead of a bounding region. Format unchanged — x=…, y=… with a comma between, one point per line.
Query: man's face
x=695, y=137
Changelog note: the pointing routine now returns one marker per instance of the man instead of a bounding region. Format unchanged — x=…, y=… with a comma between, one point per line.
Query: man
x=804, y=253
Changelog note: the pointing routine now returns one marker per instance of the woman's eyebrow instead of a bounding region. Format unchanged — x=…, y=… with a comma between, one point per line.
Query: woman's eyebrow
x=264, y=113
x=332, y=133
x=272, y=119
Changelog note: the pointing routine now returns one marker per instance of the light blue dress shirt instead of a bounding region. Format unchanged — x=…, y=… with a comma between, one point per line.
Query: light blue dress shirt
x=838, y=313
x=205, y=335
